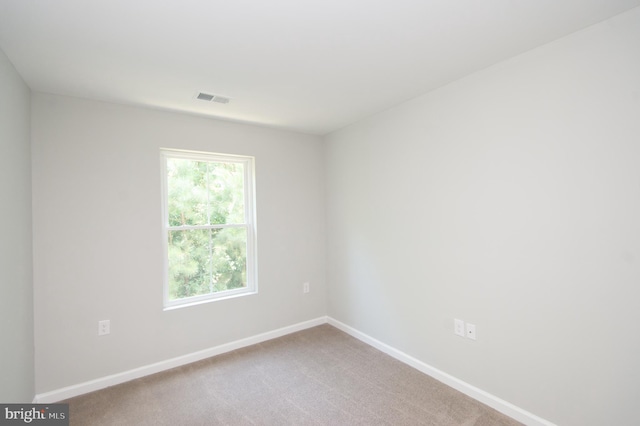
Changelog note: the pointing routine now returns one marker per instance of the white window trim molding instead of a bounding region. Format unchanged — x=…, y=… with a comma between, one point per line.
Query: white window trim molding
x=249, y=225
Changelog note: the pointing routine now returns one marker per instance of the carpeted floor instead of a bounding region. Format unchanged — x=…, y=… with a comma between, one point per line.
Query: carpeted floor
x=319, y=376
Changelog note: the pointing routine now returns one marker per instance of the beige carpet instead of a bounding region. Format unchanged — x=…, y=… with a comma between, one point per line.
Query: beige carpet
x=319, y=376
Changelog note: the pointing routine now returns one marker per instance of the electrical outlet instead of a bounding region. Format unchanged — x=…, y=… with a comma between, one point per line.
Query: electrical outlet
x=305, y=287
x=471, y=331
x=104, y=327
x=458, y=327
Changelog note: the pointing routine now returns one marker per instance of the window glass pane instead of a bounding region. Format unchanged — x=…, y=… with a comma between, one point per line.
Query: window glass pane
x=208, y=227
x=187, y=183
x=226, y=193
x=189, y=265
x=204, y=261
x=229, y=258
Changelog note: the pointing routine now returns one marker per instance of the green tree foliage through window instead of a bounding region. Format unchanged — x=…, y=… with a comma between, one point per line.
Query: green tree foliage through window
x=207, y=230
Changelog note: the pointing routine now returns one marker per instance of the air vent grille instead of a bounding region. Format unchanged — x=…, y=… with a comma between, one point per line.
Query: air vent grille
x=207, y=97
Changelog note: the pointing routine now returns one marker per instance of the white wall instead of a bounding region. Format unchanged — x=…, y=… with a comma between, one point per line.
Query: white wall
x=97, y=237
x=16, y=283
x=509, y=199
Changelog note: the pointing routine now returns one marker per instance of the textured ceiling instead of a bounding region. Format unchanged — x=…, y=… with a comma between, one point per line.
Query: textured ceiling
x=310, y=66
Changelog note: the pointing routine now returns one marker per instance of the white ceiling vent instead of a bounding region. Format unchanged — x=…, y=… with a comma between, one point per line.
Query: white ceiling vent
x=212, y=98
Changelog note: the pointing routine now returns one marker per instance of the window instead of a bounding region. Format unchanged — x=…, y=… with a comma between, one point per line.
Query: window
x=209, y=226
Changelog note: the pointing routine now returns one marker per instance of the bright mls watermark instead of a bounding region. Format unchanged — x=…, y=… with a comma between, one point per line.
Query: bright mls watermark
x=34, y=414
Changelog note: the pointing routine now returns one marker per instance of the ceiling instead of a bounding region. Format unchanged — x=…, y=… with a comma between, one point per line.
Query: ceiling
x=312, y=66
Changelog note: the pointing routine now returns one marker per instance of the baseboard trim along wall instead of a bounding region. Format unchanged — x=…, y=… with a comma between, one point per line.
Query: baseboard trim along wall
x=486, y=398
x=114, y=379
x=492, y=401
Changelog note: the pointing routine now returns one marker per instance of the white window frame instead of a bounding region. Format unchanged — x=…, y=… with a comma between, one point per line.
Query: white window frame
x=249, y=225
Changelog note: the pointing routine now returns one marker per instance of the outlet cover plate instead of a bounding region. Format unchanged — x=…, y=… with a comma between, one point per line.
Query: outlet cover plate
x=458, y=327
x=104, y=327
x=471, y=331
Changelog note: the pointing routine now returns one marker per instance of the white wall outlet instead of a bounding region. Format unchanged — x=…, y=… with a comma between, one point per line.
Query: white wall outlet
x=104, y=327
x=305, y=287
x=458, y=327
x=471, y=331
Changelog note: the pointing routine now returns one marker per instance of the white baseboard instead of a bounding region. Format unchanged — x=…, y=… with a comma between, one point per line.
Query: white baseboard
x=114, y=379
x=493, y=401
x=486, y=398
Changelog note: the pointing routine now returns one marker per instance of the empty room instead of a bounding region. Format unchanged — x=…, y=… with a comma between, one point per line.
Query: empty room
x=323, y=213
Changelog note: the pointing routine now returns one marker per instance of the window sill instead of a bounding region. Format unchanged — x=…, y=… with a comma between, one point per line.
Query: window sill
x=209, y=300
